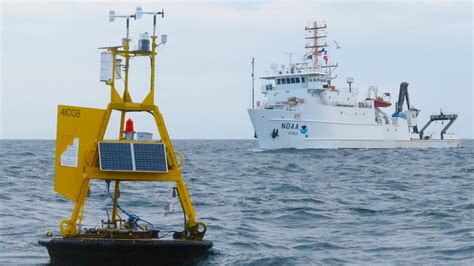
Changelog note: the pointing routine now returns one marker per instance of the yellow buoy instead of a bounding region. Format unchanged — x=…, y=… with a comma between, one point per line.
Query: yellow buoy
x=83, y=155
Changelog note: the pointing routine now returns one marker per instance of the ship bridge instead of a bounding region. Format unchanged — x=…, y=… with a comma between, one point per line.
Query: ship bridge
x=298, y=78
x=311, y=74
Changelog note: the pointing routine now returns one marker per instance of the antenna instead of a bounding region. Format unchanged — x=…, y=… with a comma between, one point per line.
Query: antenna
x=253, y=90
x=291, y=56
x=139, y=13
x=253, y=81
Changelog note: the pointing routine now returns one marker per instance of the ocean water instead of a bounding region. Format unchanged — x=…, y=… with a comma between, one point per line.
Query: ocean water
x=291, y=207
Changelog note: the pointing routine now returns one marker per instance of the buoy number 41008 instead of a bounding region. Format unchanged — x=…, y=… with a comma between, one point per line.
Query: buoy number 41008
x=70, y=112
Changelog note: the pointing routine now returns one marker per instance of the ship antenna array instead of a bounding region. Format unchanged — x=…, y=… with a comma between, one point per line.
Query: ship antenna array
x=253, y=83
x=315, y=35
x=290, y=55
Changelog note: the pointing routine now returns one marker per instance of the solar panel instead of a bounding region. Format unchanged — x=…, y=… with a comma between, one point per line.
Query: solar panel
x=150, y=157
x=115, y=156
x=133, y=157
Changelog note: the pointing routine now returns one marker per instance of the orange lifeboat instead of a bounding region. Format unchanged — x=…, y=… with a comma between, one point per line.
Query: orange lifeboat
x=382, y=101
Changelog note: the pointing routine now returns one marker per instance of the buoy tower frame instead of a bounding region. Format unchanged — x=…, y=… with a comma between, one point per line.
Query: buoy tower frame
x=124, y=103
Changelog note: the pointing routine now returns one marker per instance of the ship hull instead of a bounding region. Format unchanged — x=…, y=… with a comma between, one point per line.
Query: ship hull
x=277, y=129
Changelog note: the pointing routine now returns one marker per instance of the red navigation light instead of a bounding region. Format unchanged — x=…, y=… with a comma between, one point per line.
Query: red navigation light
x=129, y=126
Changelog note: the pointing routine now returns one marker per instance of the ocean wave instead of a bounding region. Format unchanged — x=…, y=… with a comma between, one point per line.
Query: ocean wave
x=285, y=207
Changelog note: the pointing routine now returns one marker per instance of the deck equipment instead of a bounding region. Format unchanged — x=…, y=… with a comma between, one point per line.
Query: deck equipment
x=441, y=117
x=82, y=155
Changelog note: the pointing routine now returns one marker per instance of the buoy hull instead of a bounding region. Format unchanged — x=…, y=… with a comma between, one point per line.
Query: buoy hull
x=76, y=251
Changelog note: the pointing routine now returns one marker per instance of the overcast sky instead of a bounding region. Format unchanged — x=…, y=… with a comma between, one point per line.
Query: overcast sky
x=49, y=56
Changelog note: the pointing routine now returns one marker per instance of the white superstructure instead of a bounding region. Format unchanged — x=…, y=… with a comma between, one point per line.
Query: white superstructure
x=302, y=109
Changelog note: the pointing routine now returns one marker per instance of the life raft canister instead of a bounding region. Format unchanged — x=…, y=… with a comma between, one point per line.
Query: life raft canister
x=258, y=103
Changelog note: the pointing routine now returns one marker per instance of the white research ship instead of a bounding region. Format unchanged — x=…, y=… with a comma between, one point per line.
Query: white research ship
x=302, y=109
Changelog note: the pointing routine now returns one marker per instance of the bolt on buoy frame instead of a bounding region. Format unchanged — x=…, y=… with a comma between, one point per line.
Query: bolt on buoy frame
x=125, y=104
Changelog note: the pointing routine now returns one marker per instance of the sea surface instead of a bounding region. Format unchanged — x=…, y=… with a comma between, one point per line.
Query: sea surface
x=286, y=207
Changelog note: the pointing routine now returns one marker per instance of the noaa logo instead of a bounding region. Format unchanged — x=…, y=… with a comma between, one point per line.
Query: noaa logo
x=304, y=129
x=290, y=126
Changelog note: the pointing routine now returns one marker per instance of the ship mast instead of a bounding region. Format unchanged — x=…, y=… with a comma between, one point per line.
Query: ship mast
x=316, y=34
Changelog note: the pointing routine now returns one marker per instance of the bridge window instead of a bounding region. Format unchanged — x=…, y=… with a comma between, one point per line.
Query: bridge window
x=283, y=81
x=293, y=80
x=288, y=81
x=278, y=81
x=297, y=80
x=302, y=79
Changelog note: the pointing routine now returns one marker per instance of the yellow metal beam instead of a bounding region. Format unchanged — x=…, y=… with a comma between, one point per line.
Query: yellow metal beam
x=69, y=227
x=122, y=124
x=131, y=107
x=96, y=173
x=124, y=54
x=116, y=198
x=100, y=136
x=160, y=123
x=186, y=202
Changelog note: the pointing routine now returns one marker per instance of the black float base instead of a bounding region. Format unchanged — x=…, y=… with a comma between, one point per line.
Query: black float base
x=77, y=251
